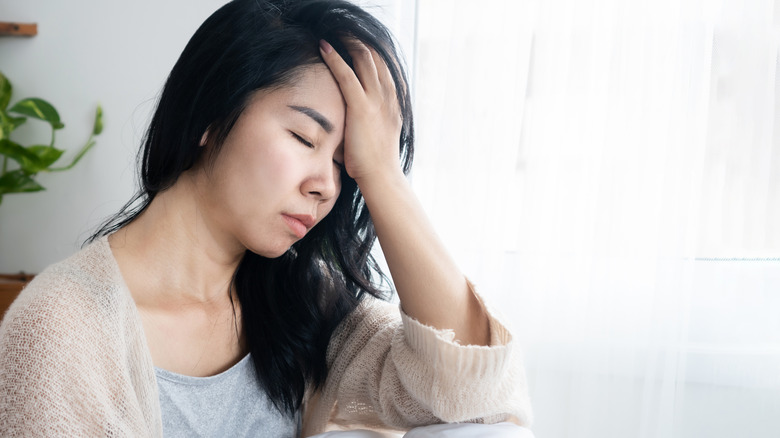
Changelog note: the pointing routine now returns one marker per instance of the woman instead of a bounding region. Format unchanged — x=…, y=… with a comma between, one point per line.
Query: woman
x=234, y=295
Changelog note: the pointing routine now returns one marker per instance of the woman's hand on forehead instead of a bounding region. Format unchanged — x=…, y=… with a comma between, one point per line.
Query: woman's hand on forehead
x=373, y=119
x=431, y=287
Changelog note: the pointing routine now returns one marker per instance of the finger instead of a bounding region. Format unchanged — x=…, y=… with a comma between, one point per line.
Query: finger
x=383, y=72
x=349, y=84
x=363, y=61
x=388, y=84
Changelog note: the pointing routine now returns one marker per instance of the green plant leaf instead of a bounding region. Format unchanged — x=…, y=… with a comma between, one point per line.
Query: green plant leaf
x=39, y=109
x=8, y=124
x=16, y=122
x=46, y=155
x=18, y=153
x=17, y=182
x=5, y=91
x=97, y=128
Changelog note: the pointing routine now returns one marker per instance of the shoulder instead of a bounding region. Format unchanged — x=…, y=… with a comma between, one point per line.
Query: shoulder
x=86, y=284
x=70, y=301
x=72, y=353
x=72, y=319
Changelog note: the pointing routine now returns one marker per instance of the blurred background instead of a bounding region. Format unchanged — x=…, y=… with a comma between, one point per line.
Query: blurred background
x=606, y=171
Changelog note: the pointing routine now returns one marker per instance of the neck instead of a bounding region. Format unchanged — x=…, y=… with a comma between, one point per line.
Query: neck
x=172, y=255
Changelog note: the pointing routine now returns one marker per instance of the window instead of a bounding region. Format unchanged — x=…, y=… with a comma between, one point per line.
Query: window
x=608, y=173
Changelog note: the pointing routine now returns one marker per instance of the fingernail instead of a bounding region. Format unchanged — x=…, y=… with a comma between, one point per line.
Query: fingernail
x=325, y=47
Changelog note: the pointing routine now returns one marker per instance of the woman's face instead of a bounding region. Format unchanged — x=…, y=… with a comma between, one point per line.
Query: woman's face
x=278, y=172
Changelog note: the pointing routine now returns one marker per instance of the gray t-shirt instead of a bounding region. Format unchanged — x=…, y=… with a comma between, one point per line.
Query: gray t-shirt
x=231, y=404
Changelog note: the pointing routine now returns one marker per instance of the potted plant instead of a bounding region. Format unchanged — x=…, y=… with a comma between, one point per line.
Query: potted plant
x=20, y=164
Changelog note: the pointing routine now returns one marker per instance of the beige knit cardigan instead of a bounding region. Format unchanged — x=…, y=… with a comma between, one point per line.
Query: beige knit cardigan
x=74, y=362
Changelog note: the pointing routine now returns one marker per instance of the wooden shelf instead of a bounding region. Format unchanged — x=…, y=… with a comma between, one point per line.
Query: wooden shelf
x=10, y=286
x=18, y=29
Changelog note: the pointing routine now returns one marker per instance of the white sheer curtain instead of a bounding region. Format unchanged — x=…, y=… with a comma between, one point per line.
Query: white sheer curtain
x=608, y=172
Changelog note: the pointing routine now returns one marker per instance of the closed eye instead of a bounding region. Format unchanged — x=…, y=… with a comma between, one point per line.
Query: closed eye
x=302, y=140
x=310, y=145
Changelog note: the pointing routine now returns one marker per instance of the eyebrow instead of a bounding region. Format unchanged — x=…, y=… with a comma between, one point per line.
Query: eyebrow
x=315, y=115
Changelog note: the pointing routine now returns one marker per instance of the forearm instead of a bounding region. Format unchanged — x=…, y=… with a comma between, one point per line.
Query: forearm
x=429, y=284
x=431, y=288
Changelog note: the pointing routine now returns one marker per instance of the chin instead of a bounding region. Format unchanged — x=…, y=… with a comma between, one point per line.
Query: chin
x=271, y=251
x=276, y=255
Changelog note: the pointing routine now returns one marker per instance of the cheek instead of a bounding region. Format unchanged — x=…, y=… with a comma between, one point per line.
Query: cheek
x=269, y=168
x=325, y=208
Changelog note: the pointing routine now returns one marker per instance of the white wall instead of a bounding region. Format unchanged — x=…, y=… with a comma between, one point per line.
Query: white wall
x=86, y=51
x=90, y=51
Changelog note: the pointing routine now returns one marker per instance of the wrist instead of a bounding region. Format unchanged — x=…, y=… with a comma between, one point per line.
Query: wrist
x=381, y=179
x=381, y=189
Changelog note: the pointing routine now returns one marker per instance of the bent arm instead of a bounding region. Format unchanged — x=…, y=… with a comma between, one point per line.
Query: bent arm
x=389, y=370
x=431, y=287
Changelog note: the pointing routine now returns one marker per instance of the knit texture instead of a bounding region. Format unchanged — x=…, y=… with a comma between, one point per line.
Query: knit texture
x=74, y=362
x=73, y=357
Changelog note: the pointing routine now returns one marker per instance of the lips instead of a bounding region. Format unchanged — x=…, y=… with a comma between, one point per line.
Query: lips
x=299, y=223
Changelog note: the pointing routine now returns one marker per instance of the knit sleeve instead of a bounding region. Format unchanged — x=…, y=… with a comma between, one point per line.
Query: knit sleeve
x=64, y=363
x=42, y=389
x=388, y=369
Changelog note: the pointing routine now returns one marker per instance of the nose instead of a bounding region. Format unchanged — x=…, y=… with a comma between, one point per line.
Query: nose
x=324, y=182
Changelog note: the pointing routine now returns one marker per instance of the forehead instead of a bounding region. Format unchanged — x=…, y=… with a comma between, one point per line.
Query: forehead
x=312, y=87
x=315, y=78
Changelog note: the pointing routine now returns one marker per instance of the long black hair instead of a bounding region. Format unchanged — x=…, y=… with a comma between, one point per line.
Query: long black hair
x=290, y=305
